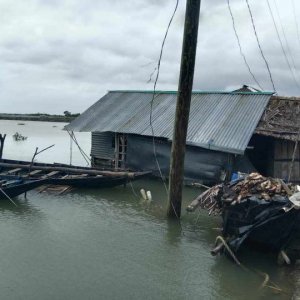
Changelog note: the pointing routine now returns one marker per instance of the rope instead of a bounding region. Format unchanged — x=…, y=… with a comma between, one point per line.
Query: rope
x=71, y=150
x=88, y=160
x=221, y=239
x=133, y=191
x=84, y=155
x=266, y=277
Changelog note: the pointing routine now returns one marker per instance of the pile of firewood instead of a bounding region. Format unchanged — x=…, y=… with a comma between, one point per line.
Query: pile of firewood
x=260, y=186
x=220, y=196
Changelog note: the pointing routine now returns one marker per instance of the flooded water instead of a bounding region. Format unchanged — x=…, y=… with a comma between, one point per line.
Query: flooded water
x=109, y=244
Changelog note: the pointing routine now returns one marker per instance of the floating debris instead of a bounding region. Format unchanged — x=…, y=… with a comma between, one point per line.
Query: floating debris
x=220, y=196
x=255, y=208
x=19, y=137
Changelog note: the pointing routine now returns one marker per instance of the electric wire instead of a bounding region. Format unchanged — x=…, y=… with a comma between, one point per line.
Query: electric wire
x=259, y=45
x=151, y=105
x=296, y=20
x=154, y=95
x=240, y=46
x=151, y=75
x=284, y=35
x=281, y=44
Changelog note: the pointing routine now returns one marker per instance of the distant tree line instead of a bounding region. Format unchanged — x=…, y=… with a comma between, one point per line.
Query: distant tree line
x=65, y=117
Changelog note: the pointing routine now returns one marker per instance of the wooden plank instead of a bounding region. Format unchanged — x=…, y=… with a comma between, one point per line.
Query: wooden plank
x=66, y=189
x=35, y=172
x=14, y=171
x=44, y=188
x=51, y=174
x=56, y=189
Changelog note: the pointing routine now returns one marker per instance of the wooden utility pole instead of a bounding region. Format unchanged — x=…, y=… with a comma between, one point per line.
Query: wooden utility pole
x=185, y=86
x=2, y=138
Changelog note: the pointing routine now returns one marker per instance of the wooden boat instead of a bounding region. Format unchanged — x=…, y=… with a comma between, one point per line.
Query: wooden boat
x=12, y=187
x=91, y=181
x=61, y=174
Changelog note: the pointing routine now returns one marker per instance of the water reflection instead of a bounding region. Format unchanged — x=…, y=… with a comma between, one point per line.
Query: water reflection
x=23, y=207
x=174, y=232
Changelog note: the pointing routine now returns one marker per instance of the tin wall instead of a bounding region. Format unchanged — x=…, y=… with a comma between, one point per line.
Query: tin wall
x=103, y=145
x=201, y=165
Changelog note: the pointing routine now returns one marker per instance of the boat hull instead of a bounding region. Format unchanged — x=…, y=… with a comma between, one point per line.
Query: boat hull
x=18, y=189
x=94, y=182
x=68, y=177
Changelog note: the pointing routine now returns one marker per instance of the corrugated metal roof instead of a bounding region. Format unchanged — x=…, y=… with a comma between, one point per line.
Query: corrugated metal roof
x=218, y=120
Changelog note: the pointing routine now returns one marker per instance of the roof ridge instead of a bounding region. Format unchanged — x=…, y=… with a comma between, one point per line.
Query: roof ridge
x=193, y=92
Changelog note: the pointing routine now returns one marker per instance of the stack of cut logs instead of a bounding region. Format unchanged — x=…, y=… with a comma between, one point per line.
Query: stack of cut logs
x=219, y=196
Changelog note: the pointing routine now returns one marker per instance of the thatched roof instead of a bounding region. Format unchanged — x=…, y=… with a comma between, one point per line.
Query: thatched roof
x=281, y=118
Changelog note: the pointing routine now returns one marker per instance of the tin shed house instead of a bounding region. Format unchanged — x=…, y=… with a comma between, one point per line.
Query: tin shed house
x=221, y=125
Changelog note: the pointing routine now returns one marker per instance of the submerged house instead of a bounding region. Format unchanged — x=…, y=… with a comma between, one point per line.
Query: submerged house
x=228, y=132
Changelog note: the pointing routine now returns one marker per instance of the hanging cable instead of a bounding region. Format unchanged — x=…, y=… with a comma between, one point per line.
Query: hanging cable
x=240, y=47
x=284, y=35
x=151, y=75
x=296, y=20
x=154, y=96
x=151, y=106
x=259, y=46
x=281, y=44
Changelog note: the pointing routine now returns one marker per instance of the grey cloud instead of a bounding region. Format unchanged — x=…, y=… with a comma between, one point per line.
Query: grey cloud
x=58, y=55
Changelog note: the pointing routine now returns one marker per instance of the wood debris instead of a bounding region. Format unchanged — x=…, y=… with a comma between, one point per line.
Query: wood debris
x=233, y=193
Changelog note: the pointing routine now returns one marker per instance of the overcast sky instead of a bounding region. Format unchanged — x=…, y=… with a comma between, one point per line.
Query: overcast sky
x=58, y=55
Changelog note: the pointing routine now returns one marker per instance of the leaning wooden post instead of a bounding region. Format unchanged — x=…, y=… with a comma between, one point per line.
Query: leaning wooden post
x=185, y=86
x=2, y=138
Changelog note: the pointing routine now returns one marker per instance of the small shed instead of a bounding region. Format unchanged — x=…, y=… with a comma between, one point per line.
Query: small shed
x=274, y=145
x=134, y=130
